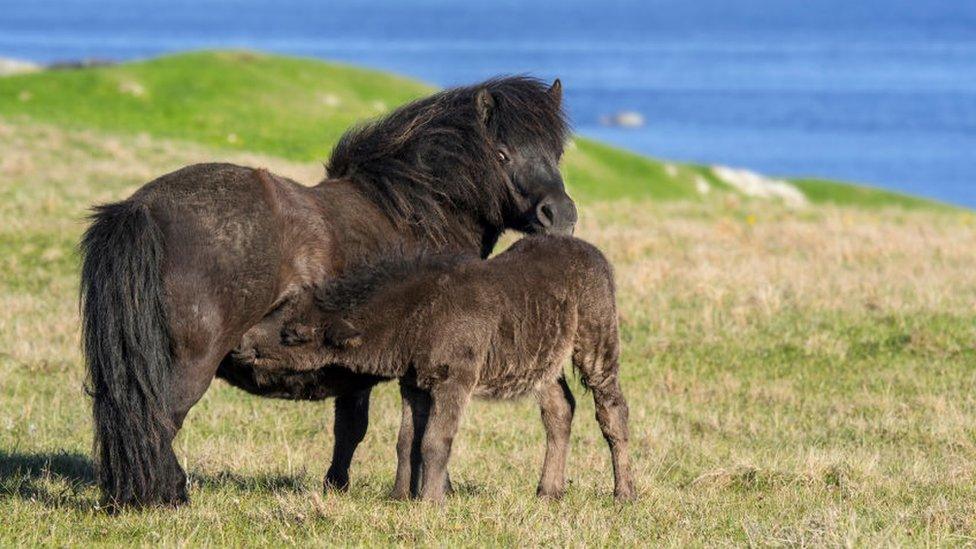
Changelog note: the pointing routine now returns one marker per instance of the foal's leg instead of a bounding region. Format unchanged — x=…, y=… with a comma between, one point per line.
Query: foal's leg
x=612, y=414
x=557, y=405
x=410, y=469
x=596, y=358
x=448, y=401
x=351, y=422
x=413, y=422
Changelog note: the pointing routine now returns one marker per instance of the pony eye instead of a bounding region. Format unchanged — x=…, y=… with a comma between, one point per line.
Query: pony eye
x=502, y=156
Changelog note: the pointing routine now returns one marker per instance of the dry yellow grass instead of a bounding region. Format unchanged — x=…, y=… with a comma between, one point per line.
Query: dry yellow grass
x=797, y=377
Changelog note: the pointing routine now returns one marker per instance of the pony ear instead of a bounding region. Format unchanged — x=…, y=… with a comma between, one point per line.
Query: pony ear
x=556, y=92
x=484, y=104
x=342, y=335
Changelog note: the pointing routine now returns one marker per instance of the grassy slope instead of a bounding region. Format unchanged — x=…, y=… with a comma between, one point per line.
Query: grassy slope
x=820, y=191
x=297, y=108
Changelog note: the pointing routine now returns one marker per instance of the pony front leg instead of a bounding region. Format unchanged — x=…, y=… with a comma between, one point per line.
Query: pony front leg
x=449, y=400
x=351, y=422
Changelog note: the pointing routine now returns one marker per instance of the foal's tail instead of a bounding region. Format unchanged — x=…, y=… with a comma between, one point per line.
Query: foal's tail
x=127, y=349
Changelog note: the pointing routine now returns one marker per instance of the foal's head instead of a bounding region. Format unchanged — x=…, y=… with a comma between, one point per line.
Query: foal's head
x=364, y=302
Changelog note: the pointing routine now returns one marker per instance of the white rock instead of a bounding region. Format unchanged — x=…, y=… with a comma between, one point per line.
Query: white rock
x=16, y=66
x=751, y=183
x=702, y=186
x=133, y=88
x=331, y=100
x=624, y=119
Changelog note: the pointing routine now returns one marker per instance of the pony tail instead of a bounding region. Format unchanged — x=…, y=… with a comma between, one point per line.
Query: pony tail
x=127, y=351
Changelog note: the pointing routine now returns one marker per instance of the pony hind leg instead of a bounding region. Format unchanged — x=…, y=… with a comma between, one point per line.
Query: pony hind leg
x=194, y=369
x=557, y=405
x=141, y=329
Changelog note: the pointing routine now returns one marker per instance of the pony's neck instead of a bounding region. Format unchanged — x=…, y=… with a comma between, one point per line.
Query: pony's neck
x=367, y=223
x=468, y=235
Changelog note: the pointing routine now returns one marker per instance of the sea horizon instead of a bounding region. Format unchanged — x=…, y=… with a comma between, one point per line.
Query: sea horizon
x=876, y=93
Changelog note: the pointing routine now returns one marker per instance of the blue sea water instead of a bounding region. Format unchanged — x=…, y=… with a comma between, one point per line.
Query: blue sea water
x=877, y=91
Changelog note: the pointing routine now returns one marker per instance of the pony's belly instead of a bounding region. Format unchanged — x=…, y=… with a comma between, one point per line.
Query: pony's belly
x=277, y=381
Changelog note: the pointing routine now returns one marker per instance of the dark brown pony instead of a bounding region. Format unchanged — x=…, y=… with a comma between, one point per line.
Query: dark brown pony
x=452, y=328
x=175, y=276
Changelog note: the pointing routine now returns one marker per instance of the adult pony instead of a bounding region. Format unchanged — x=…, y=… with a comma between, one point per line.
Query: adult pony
x=174, y=277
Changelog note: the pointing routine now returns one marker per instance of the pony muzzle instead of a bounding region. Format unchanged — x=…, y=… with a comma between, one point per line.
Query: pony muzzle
x=556, y=215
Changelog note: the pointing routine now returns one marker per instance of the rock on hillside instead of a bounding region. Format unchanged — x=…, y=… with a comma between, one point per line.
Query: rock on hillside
x=16, y=66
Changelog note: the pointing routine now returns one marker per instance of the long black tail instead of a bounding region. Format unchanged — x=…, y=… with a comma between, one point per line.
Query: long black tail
x=127, y=349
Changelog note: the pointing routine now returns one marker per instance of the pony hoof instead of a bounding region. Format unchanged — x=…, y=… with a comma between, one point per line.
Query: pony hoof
x=178, y=500
x=336, y=482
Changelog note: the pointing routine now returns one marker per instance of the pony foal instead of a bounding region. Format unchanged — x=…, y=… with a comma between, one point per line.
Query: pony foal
x=453, y=327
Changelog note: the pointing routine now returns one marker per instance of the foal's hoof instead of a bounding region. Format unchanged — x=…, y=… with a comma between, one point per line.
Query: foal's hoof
x=397, y=494
x=435, y=500
x=336, y=482
x=624, y=496
x=550, y=493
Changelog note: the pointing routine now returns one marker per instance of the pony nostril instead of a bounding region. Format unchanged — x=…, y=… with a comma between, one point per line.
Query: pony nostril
x=545, y=215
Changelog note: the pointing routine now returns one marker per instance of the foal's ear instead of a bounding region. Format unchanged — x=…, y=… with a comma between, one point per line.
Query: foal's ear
x=294, y=335
x=484, y=103
x=556, y=92
x=342, y=335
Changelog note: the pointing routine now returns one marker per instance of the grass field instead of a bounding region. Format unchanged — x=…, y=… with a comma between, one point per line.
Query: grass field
x=796, y=376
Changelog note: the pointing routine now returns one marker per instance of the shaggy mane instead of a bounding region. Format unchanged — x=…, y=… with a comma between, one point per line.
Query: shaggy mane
x=432, y=158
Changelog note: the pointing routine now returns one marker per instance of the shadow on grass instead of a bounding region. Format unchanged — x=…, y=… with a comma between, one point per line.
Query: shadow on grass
x=263, y=482
x=52, y=479
x=60, y=480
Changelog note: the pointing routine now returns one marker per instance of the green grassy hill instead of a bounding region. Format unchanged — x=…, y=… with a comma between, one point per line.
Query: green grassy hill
x=298, y=108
